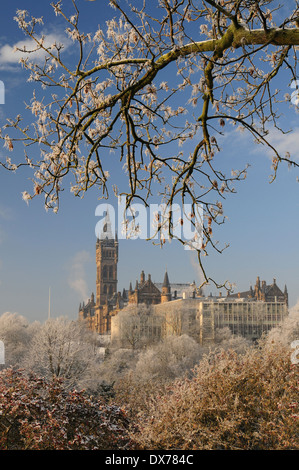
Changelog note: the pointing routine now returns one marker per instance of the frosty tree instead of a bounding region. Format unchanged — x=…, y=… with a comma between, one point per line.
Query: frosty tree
x=65, y=349
x=144, y=84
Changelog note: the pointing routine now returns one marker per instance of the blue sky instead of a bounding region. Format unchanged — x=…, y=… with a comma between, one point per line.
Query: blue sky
x=40, y=250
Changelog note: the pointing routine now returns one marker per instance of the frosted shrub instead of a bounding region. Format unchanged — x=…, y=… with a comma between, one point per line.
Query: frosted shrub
x=232, y=402
x=36, y=414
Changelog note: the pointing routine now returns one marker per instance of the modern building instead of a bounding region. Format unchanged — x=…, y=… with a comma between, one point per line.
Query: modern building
x=201, y=317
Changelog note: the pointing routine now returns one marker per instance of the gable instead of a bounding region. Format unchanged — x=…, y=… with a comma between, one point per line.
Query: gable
x=149, y=287
x=274, y=290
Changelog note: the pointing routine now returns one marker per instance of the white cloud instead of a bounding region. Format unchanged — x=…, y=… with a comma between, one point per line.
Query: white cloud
x=284, y=143
x=9, y=56
x=77, y=275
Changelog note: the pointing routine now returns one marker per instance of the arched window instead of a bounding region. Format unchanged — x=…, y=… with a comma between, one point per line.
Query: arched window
x=105, y=289
x=111, y=290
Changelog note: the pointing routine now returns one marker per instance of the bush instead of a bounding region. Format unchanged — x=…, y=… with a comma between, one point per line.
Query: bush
x=171, y=358
x=232, y=401
x=37, y=414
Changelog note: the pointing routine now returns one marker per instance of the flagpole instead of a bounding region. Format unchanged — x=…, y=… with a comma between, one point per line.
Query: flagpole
x=49, y=310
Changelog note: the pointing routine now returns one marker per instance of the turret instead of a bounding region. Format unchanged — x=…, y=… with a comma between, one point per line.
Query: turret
x=286, y=295
x=124, y=294
x=257, y=289
x=166, y=289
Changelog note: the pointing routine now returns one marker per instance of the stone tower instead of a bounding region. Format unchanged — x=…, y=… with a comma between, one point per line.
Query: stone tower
x=106, y=261
x=166, y=290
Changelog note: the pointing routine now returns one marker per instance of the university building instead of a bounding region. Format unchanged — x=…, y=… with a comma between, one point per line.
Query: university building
x=175, y=308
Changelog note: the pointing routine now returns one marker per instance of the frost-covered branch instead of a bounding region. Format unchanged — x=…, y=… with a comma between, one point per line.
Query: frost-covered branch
x=152, y=94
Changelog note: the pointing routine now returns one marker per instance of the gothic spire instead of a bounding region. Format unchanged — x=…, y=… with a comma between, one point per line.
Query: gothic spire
x=285, y=289
x=166, y=280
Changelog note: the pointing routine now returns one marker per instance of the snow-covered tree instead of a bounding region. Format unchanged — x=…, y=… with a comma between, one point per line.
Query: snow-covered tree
x=173, y=357
x=224, y=339
x=136, y=326
x=288, y=330
x=143, y=85
x=65, y=349
x=16, y=333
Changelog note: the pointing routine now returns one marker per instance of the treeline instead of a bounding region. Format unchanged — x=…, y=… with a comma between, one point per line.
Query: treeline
x=58, y=392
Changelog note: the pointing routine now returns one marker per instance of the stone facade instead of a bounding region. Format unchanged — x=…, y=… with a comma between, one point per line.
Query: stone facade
x=97, y=313
x=264, y=292
x=145, y=292
x=178, y=308
x=99, y=310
